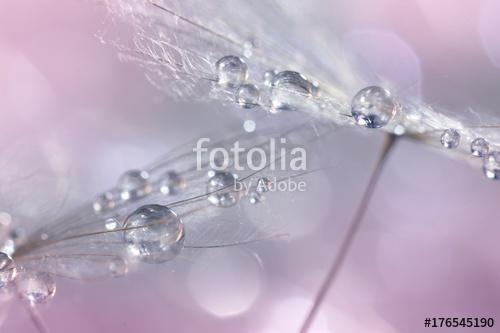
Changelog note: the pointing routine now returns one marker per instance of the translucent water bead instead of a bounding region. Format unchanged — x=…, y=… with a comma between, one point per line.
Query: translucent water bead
x=373, y=107
x=290, y=90
x=7, y=270
x=133, y=184
x=231, y=71
x=221, y=189
x=155, y=234
x=491, y=165
x=104, y=202
x=171, y=183
x=35, y=287
x=450, y=138
x=247, y=96
x=479, y=147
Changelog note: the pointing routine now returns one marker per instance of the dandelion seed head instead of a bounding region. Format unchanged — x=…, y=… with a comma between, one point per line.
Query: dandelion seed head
x=231, y=71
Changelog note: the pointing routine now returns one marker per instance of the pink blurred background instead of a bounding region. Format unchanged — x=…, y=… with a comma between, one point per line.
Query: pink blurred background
x=72, y=118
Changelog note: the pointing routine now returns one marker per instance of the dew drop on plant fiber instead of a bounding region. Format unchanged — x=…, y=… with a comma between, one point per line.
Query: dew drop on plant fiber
x=231, y=71
x=373, y=107
x=491, y=165
x=154, y=233
x=221, y=189
x=290, y=90
x=247, y=96
x=450, y=138
x=479, y=147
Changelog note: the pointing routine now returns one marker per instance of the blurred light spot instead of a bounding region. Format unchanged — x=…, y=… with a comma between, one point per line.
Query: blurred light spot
x=488, y=29
x=289, y=315
x=249, y=126
x=225, y=282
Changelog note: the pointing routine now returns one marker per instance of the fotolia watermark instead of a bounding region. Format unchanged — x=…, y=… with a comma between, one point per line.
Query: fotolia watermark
x=271, y=185
x=276, y=157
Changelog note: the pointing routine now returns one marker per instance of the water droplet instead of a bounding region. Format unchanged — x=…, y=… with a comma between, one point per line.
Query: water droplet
x=35, y=287
x=491, y=165
x=373, y=107
x=248, y=96
x=7, y=269
x=118, y=267
x=111, y=224
x=254, y=197
x=222, y=188
x=104, y=202
x=263, y=185
x=44, y=236
x=450, y=138
x=269, y=76
x=289, y=90
x=231, y=71
x=155, y=233
x=134, y=184
x=479, y=147
x=171, y=183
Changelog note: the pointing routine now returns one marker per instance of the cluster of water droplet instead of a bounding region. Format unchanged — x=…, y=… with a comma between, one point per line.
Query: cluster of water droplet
x=479, y=147
x=134, y=185
x=221, y=189
x=287, y=90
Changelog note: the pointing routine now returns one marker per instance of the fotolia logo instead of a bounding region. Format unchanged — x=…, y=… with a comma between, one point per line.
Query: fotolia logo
x=276, y=157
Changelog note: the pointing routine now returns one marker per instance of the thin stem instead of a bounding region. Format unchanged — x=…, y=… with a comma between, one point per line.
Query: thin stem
x=352, y=230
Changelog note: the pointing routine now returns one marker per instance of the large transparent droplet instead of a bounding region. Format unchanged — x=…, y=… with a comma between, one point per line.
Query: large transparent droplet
x=231, y=71
x=134, y=184
x=154, y=233
x=491, y=165
x=247, y=96
x=171, y=183
x=479, y=147
x=373, y=107
x=35, y=287
x=7, y=270
x=450, y=138
x=221, y=189
x=290, y=90
x=104, y=202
